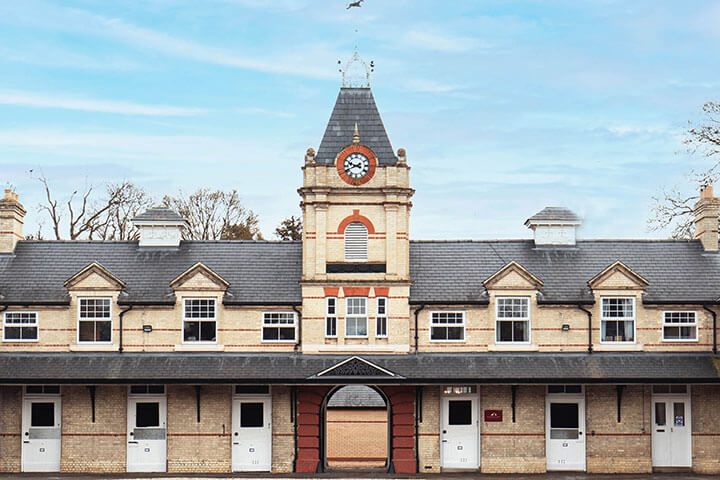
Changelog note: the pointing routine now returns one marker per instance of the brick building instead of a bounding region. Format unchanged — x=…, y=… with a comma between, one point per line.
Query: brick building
x=548, y=353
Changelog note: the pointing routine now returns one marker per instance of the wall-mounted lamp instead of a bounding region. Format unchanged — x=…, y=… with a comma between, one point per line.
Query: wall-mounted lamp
x=566, y=327
x=147, y=328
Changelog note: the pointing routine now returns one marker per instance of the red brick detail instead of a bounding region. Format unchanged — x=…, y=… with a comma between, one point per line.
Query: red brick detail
x=356, y=217
x=382, y=291
x=355, y=148
x=356, y=291
x=402, y=402
x=331, y=291
x=309, y=400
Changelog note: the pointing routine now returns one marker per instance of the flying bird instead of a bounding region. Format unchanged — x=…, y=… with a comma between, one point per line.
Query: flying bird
x=358, y=4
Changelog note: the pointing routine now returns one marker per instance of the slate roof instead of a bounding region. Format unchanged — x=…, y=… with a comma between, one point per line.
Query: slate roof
x=258, y=272
x=161, y=214
x=355, y=105
x=422, y=368
x=453, y=271
x=449, y=272
x=560, y=214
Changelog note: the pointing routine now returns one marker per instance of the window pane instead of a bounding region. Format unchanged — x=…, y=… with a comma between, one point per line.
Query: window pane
x=455, y=333
x=287, y=333
x=29, y=333
x=513, y=307
x=660, y=415
x=504, y=331
x=617, y=308
x=192, y=331
x=147, y=414
x=200, y=308
x=42, y=414
x=94, y=308
x=251, y=415
x=13, y=333
x=520, y=332
x=438, y=333
x=331, y=326
x=103, y=331
x=459, y=412
x=207, y=331
x=87, y=332
x=564, y=415
x=679, y=414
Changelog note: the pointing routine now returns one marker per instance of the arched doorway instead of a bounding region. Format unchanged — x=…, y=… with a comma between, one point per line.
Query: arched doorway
x=356, y=423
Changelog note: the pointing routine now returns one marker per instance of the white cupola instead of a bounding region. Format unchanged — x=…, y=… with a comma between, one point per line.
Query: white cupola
x=554, y=226
x=160, y=227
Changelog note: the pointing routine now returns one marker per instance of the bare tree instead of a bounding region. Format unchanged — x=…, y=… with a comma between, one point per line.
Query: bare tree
x=84, y=215
x=215, y=215
x=673, y=208
x=290, y=229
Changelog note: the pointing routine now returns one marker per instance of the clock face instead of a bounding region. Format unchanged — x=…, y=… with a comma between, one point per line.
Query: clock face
x=356, y=165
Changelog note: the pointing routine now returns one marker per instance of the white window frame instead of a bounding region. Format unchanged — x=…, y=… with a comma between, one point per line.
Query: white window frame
x=384, y=316
x=513, y=319
x=363, y=256
x=279, y=325
x=618, y=319
x=463, y=325
x=347, y=316
x=332, y=316
x=20, y=325
x=200, y=320
x=99, y=319
x=678, y=325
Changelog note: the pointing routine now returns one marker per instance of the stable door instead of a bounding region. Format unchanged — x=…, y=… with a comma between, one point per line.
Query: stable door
x=565, y=433
x=459, y=438
x=252, y=434
x=671, y=434
x=147, y=436
x=41, y=434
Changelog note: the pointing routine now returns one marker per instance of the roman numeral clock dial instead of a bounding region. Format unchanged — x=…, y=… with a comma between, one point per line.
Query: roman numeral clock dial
x=356, y=164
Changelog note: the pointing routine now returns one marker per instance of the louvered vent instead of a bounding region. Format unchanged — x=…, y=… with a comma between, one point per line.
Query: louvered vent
x=356, y=242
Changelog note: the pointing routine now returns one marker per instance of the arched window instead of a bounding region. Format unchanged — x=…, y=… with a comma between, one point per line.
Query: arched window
x=356, y=241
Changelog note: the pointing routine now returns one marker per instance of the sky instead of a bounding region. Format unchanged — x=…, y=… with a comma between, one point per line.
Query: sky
x=503, y=107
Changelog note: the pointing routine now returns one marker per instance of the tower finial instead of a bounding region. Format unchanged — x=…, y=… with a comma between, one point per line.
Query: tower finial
x=356, y=135
x=356, y=72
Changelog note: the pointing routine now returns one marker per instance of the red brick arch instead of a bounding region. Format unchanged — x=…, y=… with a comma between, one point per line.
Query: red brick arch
x=356, y=217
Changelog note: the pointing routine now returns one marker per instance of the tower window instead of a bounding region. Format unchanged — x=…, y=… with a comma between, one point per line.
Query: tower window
x=356, y=241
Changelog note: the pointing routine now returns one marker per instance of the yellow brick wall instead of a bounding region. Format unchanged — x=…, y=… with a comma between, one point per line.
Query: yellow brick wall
x=357, y=437
x=429, y=431
x=705, y=405
x=283, y=440
x=10, y=428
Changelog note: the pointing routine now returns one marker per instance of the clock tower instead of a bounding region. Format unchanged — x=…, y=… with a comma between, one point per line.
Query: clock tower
x=356, y=209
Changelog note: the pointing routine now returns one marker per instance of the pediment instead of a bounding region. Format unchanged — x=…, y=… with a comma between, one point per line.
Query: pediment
x=513, y=276
x=197, y=278
x=618, y=276
x=356, y=367
x=94, y=277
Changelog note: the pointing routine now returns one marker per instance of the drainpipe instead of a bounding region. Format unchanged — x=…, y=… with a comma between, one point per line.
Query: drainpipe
x=417, y=312
x=299, y=328
x=121, y=315
x=293, y=400
x=714, y=329
x=589, y=315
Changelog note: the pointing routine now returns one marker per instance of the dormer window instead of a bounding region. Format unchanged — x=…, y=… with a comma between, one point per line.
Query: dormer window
x=94, y=320
x=199, y=320
x=356, y=242
x=618, y=319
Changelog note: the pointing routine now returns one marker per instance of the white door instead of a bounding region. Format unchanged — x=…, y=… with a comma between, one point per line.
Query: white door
x=146, y=438
x=252, y=434
x=565, y=432
x=41, y=434
x=671, y=434
x=459, y=439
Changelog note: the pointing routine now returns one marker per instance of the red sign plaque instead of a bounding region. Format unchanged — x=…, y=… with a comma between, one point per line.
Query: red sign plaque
x=493, y=415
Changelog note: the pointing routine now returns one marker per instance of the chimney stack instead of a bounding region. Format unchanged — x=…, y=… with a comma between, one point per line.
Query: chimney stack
x=705, y=213
x=12, y=216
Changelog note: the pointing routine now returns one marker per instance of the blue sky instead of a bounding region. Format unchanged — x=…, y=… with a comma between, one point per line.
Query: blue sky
x=504, y=107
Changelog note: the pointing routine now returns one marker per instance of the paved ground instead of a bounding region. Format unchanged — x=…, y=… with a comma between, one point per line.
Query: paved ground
x=363, y=476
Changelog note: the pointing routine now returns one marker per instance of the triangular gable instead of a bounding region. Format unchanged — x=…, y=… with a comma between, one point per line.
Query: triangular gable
x=618, y=275
x=356, y=367
x=199, y=277
x=512, y=275
x=94, y=277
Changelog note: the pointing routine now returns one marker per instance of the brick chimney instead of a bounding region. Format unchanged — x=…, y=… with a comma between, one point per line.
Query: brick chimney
x=12, y=216
x=706, y=213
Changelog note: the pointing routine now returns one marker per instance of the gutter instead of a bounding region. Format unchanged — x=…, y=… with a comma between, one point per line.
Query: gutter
x=121, y=315
x=714, y=328
x=417, y=334
x=589, y=315
x=299, y=328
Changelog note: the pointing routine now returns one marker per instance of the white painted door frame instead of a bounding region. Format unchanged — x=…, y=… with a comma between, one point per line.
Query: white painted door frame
x=147, y=445
x=565, y=453
x=41, y=444
x=251, y=445
x=460, y=438
x=672, y=436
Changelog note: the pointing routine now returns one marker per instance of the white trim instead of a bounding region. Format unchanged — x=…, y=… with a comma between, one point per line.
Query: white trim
x=99, y=319
x=463, y=325
x=355, y=357
x=384, y=315
x=514, y=319
x=200, y=320
x=680, y=340
x=279, y=325
x=618, y=319
x=19, y=325
x=345, y=318
x=328, y=316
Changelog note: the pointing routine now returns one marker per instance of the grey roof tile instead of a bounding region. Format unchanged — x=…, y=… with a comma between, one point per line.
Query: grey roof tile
x=355, y=105
x=554, y=213
x=162, y=214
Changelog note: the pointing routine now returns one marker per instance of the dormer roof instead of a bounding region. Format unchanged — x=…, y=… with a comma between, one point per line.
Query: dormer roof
x=554, y=215
x=162, y=215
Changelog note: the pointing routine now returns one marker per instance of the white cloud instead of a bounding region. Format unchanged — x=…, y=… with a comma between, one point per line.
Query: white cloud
x=63, y=102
